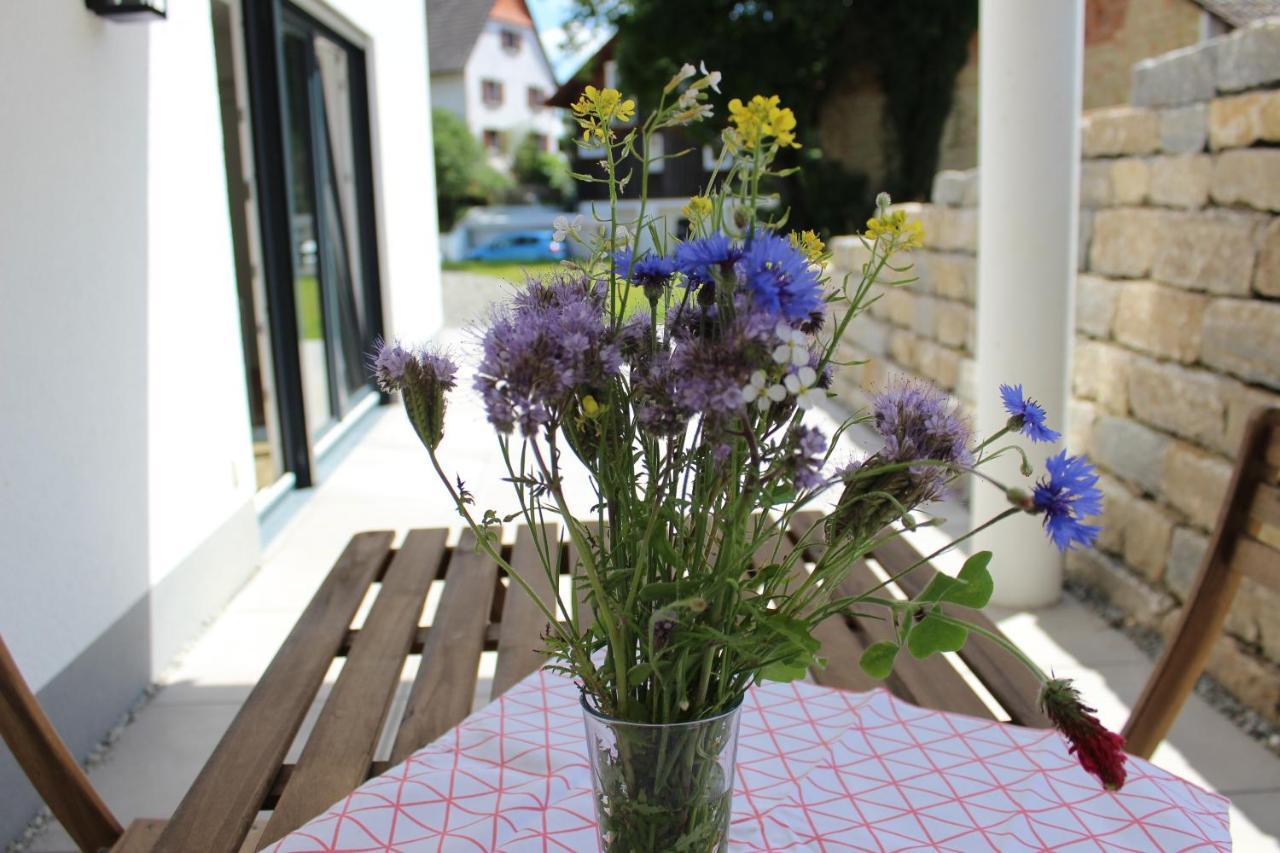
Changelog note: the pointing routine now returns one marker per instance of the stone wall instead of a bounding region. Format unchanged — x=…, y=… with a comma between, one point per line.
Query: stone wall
x=1178, y=325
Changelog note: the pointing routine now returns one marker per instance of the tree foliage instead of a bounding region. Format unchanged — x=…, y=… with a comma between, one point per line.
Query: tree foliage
x=799, y=50
x=543, y=172
x=463, y=174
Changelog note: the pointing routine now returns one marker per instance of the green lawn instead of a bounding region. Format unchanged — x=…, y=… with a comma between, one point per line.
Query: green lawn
x=310, y=318
x=505, y=270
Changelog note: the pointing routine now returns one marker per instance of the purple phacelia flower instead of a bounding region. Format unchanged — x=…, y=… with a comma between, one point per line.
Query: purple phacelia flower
x=809, y=450
x=423, y=377
x=389, y=364
x=919, y=422
x=550, y=341
x=780, y=278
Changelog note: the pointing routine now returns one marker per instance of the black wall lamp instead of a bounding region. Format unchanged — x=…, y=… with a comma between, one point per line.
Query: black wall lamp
x=123, y=10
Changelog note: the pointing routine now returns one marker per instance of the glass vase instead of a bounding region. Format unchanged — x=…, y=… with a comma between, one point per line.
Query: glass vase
x=663, y=786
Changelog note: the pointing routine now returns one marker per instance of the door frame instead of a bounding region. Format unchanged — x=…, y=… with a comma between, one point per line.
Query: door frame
x=264, y=25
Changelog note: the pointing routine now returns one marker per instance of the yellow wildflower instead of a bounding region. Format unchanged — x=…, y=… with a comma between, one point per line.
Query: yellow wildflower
x=762, y=119
x=590, y=408
x=596, y=109
x=699, y=207
x=809, y=243
x=893, y=227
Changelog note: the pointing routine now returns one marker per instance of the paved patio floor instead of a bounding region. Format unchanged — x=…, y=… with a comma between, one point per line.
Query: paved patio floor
x=381, y=480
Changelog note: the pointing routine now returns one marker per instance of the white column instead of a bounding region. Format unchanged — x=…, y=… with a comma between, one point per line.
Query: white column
x=1031, y=56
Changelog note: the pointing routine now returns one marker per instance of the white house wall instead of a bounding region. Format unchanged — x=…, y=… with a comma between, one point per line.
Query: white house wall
x=517, y=72
x=449, y=92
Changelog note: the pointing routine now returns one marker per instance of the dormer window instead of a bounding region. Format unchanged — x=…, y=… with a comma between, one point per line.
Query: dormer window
x=491, y=93
x=510, y=40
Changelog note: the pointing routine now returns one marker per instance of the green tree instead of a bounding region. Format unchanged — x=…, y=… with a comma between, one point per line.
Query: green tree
x=544, y=172
x=798, y=50
x=463, y=175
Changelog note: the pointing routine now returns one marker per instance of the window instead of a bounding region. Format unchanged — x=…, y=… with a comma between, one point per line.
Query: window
x=540, y=141
x=493, y=141
x=510, y=41
x=537, y=98
x=491, y=92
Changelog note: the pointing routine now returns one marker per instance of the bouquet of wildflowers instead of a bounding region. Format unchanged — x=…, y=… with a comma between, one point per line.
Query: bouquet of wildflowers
x=680, y=374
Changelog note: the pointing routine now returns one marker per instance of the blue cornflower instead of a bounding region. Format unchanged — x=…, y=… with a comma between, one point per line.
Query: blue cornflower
x=780, y=278
x=696, y=257
x=647, y=269
x=1068, y=494
x=1025, y=415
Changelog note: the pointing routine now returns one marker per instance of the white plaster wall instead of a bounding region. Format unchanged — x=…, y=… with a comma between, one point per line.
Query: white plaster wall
x=517, y=72
x=448, y=91
x=73, y=333
x=199, y=445
x=404, y=168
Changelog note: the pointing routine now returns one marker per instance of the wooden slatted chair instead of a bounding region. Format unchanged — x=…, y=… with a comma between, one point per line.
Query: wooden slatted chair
x=56, y=775
x=1246, y=543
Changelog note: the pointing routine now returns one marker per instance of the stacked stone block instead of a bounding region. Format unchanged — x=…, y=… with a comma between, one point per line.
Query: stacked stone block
x=1177, y=325
x=921, y=322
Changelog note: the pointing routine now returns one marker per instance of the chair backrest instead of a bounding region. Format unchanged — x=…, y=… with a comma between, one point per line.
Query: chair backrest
x=1246, y=543
x=47, y=762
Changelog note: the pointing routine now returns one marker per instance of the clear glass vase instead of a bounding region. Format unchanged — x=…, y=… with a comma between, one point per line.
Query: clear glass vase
x=663, y=786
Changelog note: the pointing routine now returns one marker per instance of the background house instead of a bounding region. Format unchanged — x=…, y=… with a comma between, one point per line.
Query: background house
x=488, y=67
x=209, y=217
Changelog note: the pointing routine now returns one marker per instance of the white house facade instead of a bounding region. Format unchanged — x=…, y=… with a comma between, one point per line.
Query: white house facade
x=488, y=67
x=209, y=216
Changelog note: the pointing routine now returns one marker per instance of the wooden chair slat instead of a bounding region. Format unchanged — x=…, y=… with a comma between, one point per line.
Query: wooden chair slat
x=140, y=836
x=337, y=754
x=1257, y=560
x=219, y=810
x=929, y=683
x=1014, y=686
x=49, y=764
x=1230, y=556
x=519, y=643
x=420, y=640
x=839, y=644
x=1271, y=452
x=446, y=680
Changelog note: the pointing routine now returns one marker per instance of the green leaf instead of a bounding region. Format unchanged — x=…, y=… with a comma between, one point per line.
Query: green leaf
x=877, y=659
x=932, y=634
x=972, y=587
x=784, y=671
x=974, y=584
x=639, y=674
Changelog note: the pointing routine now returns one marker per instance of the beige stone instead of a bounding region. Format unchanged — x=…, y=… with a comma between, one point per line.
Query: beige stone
x=1124, y=241
x=1095, y=305
x=1251, y=680
x=1255, y=617
x=867, y=334
x=1195, y=483
x=1141, y=603
x=1242, y=402
x=1081, y=416
x=1243, y=120
x=1160, y=320
x=1242, y=337
x=1095, y=183
x=903, y=347
x=1248, y=176
x=879, y=302
x=1147, y=532
x=1186, y=552
x=1181, y=180
x=1186, y=402
x=923, y=315
x=954, y=276
x=1131, y=451
x=1266, y=277
x=1213, y=250
x=957, y=229
x=902, y=306
x=1130, y=181
x=1100, y=372
x=1116, y=131
x=938, y=364
x=848, y=254
x=967, y=384
x=955, y=326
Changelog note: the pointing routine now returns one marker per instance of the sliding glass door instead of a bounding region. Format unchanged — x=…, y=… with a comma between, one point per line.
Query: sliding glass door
x=311, y=124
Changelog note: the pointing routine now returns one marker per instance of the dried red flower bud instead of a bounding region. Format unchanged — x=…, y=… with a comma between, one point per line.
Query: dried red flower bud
x=1100, y=751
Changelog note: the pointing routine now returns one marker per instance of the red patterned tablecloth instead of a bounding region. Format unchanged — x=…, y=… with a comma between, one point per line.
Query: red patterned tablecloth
x=818, y=769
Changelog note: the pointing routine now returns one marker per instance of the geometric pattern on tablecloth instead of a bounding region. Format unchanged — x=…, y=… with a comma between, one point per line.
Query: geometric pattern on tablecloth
x=818, y=769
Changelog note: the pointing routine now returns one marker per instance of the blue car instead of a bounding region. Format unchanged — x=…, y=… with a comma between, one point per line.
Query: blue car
x=519, y=246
